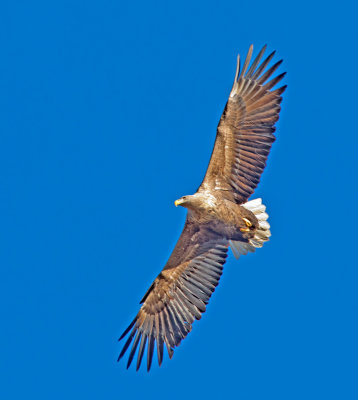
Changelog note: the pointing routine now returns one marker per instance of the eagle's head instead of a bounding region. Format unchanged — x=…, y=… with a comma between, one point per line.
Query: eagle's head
x=184, y=201
x=198, y=201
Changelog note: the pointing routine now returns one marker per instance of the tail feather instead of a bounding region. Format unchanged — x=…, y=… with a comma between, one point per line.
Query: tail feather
x=261, y=235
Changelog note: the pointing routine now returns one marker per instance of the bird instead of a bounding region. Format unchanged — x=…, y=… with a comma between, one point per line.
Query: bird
x=219, y=215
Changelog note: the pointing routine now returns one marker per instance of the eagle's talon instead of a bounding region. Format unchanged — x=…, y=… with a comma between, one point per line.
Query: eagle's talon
x=247, y=222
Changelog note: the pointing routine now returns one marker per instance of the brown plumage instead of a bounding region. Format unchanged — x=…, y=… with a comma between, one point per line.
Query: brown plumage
x=219, y=215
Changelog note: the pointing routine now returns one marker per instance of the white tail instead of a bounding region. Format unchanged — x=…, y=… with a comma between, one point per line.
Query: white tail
x=261, y=235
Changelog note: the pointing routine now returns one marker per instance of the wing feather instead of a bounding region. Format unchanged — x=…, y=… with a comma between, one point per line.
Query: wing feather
x=141, y=350
x=151, y=342
x=134, y=348
x=256, y=62
x=263, y=65
x=246, y=130
x=178, y=296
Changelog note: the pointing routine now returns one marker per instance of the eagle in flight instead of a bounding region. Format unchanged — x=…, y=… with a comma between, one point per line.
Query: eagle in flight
x=219, y=214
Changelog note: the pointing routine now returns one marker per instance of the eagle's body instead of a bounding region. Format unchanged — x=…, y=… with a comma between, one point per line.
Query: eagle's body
x=223, y=216
x=219, y=215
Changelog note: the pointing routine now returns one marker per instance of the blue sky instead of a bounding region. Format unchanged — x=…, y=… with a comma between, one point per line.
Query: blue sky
x=108, y=114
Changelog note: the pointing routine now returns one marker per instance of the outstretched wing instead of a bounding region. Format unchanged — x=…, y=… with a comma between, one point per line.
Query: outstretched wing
x=245, y=131
x=178, y=295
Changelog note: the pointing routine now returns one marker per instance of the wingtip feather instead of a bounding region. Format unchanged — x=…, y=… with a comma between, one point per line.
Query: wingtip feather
x=128, y=329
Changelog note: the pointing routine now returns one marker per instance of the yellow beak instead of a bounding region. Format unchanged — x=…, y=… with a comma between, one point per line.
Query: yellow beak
x=178, y=202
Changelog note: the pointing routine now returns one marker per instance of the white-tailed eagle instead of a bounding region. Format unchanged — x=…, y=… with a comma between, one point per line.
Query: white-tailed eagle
x=219, y=214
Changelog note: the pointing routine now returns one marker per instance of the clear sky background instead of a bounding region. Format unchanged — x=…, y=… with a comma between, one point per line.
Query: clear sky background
x=108, y=114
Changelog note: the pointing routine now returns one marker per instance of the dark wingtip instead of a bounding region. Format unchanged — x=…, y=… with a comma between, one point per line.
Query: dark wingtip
x=134, y=348
x=263, y=65
x=150, y=351
x=281, y=76
x=170, y=353
x=121, y=355
x=271, y=56
x=269, y=85
x=282, y=89
x=125, y=347
x=160, y=345
x=141, y=350
x=128, y=329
